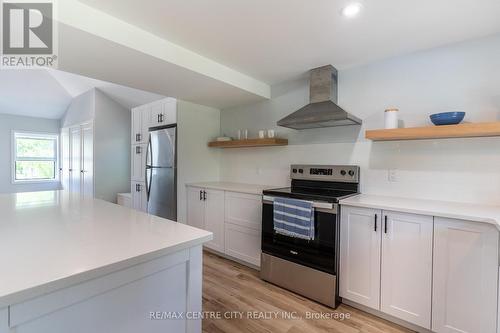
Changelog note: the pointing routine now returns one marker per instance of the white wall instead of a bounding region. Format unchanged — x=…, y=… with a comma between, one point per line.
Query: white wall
x=196, y=162
x=111, y=140
x=81, y=109
x=28, y=124
x=111, y=148
x=464, y=76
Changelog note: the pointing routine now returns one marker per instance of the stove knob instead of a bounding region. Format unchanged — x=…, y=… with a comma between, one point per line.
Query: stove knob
x=294, y=170
x=301, y=170
x=342, y=172
x=351, y=173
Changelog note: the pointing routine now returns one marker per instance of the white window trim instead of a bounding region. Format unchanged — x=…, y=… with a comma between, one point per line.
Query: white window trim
x=13, y=158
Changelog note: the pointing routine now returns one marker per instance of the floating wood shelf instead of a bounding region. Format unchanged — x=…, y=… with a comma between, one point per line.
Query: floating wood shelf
x=468, y=130
x=249, y=143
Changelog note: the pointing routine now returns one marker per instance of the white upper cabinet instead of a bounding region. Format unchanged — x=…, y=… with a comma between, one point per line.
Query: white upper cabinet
x=140, y=124
x=406, y=269
x=163, y=112
x=465, y=277
x=360, y=255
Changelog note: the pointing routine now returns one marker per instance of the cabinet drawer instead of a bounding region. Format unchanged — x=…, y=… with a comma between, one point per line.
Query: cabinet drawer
x=244, y=210
x=243, y=243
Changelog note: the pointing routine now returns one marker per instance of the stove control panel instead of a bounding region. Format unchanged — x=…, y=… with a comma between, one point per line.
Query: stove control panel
x=332, y=173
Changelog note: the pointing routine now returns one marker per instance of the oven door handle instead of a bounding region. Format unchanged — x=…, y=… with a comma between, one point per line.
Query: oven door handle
x=320, y=206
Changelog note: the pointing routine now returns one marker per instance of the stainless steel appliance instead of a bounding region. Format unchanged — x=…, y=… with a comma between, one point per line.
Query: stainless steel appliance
x=322, y=110
x=308, y=267
x=161, y=172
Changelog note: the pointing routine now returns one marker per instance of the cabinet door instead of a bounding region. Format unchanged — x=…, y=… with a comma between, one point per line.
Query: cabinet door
x=195, y=207
x=244, y=210
x=243, y=243
x=140, y=125
x=214, y=218
x=76, y=158
x=65, y=159
x=145, y=125
x=139, y=196
x=136, y=126
x=406, y=286
x=170, y=111
x=138, y=158
x=157, y=116
x=360, y=237
x=465, y=276
x=87, y=170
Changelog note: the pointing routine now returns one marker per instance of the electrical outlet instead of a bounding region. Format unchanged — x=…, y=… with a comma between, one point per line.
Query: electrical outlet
x=393, y=175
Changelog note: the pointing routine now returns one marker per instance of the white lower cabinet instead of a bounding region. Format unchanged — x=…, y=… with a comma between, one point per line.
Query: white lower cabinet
x=465, y=277
x=233, y=218
x=139, y=196
x=214, y=218
x=360, y=232
x=406, y=268
x=205, y=210
x=243, y=243
x=195, y=207
x=436, y=273
x=244, y=210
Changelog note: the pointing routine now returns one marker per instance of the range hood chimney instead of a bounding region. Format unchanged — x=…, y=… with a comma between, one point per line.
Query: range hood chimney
x=322, y=110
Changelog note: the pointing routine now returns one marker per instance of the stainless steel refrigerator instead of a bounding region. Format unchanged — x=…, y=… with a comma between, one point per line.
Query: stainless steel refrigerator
x=161, y=172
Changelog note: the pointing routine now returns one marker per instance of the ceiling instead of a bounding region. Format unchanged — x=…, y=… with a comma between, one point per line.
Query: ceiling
x=48, y=93
x=278, y=40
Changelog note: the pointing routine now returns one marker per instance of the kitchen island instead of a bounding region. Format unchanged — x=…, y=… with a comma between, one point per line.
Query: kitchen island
x=73, y=264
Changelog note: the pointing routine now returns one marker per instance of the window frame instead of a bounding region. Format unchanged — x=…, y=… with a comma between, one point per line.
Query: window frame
x=14, y=158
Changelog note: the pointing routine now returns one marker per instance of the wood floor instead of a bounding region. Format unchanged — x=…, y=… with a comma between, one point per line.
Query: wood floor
x=236, y=292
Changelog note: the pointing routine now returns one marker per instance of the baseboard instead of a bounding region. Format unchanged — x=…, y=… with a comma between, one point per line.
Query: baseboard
x=385, y=316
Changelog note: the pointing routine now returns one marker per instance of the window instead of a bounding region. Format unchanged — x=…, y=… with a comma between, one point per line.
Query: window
x=34, y=157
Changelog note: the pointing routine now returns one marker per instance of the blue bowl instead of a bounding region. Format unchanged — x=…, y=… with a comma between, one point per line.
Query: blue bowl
x=447, y=118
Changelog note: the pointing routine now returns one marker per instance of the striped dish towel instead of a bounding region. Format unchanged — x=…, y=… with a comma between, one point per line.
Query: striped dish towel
x=294, y=218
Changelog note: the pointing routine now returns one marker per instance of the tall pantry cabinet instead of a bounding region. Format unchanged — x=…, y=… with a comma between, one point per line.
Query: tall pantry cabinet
x=95, y=147
x=196, y=125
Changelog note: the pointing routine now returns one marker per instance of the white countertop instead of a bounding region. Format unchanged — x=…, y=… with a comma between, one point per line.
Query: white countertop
x=234, y=187
x=456, y=210
x=54, y=239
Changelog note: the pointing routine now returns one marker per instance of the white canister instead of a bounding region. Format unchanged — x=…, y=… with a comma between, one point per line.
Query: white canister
x=391, y=118
x=270, y=133
x=262, y=134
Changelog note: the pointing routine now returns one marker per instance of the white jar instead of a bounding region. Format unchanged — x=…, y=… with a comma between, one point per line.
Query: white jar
x=391, y=118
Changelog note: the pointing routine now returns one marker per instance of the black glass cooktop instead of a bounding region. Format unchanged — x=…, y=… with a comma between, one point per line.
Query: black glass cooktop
x=304, y=193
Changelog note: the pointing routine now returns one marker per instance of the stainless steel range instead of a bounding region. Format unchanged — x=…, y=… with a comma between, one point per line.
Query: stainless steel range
x=308, y=267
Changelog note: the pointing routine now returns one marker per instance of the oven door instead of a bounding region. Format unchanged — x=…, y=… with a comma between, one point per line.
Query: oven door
x=319, y=253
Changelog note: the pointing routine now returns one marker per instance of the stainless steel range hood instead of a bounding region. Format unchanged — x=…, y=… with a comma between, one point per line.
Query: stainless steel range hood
x=322, y=111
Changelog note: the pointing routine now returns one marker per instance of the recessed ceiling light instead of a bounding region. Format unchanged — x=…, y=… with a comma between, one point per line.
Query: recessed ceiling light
x=352, y=9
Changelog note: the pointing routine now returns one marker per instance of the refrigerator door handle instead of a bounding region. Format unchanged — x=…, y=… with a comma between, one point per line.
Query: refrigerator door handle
x=147, y=167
